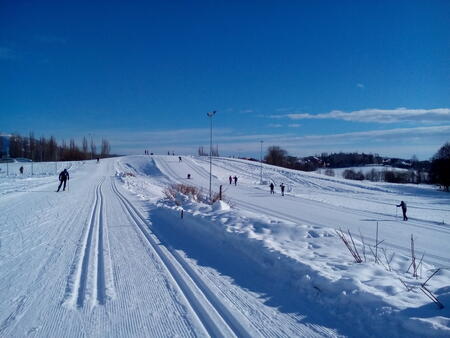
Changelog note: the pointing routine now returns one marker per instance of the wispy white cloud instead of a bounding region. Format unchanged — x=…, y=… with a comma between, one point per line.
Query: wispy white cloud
x=403, y=142
x=294, y=125
x=378, y=115
x=275, y=125
x=284, y=109
x=360, y=85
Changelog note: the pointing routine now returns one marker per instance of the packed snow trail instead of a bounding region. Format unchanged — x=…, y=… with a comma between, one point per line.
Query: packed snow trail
x=85, y=263
x=299, y=207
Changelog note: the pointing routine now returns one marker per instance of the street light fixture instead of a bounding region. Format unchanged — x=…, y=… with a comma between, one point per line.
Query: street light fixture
x=210, y=115
x=260, y=160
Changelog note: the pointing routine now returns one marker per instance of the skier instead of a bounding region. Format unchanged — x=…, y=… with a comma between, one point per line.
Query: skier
x=271, y=188
x=231, y=179
x=403, y=205
x=98, y=159
x=189, y=176
x=235, y=180
x=21, y=170
x=63, y=177
x=282, y=186
x=179, y=158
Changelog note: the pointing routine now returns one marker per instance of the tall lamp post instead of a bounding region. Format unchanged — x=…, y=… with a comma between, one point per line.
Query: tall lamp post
x=210, y=115
x=260, y=160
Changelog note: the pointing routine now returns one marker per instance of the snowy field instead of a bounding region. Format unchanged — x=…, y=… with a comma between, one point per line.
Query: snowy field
x=112, y=257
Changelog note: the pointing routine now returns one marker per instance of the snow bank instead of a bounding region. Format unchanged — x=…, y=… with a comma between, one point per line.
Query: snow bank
x=314, y=263
x=310, y=262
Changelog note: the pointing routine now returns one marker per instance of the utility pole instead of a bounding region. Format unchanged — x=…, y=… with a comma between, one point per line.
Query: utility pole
x=260, y=160
x=210, y=115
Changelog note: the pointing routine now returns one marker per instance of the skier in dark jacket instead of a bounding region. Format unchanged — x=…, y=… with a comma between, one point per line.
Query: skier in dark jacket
x=282, y=189
x=21, y=170
x=230, y=179
x=271, y=188
x=403, y=205
x=63, y=177
x=235, y=180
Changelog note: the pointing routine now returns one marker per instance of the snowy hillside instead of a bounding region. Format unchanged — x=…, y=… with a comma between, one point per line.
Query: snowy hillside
x=112, y=256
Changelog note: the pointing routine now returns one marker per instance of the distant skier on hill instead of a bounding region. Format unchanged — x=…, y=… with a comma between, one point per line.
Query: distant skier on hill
x=271, y=188
x=282, y=186
x=231, y=179
x=179, y=159
x=235, y=180
x=404, y=208
x=21, y=170
x=63, y=178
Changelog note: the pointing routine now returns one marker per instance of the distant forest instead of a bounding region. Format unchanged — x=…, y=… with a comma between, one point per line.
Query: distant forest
x=436, y=171
x=47, y=149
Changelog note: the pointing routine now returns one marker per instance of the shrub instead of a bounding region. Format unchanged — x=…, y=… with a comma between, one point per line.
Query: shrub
x=190, y=191
x=353, y=175
x=396, y=177
x=329, y=172
x=373, y=175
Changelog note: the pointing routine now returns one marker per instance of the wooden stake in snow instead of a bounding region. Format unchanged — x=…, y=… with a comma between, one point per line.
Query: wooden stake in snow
x=376, y=246
x=413, y=257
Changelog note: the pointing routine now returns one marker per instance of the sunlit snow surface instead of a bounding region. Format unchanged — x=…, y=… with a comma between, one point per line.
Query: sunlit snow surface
x=112, y=257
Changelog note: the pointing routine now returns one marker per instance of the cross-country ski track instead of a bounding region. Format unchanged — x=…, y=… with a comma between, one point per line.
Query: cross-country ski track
x=104, y=259
x=86, y=263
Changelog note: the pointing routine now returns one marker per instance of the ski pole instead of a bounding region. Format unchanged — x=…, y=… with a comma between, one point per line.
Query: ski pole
x=396, y=212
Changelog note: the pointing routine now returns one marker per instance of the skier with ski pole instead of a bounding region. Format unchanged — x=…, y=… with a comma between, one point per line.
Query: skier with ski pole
x=63, y=178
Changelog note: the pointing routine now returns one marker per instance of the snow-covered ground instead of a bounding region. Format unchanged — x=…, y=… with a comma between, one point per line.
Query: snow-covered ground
x=113, y=257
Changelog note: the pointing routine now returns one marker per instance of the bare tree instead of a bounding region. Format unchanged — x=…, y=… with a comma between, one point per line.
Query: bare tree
x=85, y=147
x=276, y=156
x=32, y=142
x=93, y=149
x=106, y=148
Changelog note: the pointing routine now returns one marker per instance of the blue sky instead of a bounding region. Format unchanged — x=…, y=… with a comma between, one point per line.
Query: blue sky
x=310, y=76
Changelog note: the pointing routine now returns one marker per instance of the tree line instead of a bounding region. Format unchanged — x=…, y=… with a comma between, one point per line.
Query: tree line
x=48, y=149
x=436, y=171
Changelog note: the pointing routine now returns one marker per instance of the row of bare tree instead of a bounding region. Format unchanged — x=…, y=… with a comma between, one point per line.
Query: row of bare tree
x=47, y=149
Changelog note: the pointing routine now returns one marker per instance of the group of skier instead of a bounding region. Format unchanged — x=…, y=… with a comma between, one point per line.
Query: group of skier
x=64, y=177
x=272, y=187
x=231, y=179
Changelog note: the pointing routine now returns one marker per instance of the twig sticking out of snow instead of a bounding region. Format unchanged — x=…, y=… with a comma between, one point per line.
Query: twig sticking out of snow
x=408, y=288
x=432, y=275
x=364, y=245
x=388, y=261
x=413, y=257
x=377, y=243
x=353, y=249
x=420, y=264
x=428, y=293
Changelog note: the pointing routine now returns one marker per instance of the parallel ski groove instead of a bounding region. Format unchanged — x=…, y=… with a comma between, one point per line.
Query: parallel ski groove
x=91, y=280
x=81, y=292
x=217, y=320
x=101, y=293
